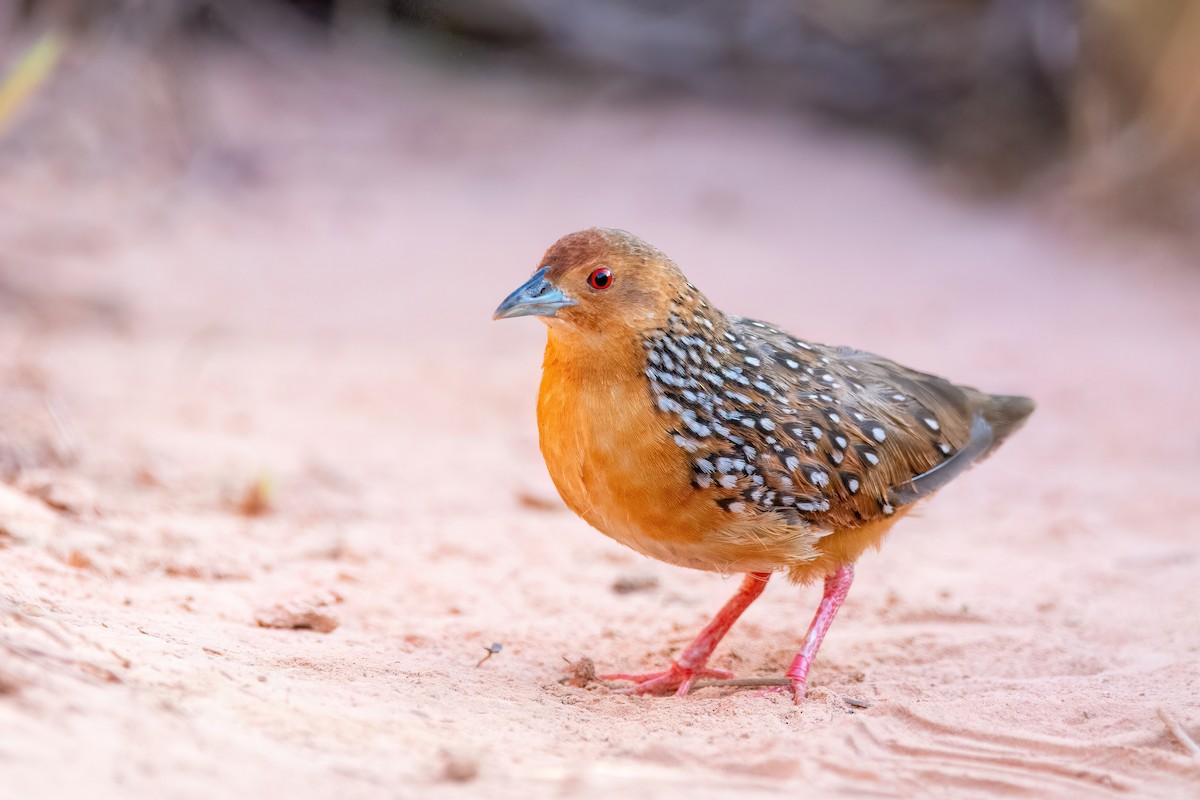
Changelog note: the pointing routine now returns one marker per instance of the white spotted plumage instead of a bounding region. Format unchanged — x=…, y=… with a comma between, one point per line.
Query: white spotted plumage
x=731, y=395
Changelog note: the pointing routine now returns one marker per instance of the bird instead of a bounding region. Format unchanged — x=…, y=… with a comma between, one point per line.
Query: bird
x=727, y=444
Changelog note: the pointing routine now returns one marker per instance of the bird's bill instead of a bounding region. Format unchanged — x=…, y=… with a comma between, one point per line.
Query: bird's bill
x=536, y=297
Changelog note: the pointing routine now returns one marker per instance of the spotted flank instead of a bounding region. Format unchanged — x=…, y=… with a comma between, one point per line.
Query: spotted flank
x=827, y=437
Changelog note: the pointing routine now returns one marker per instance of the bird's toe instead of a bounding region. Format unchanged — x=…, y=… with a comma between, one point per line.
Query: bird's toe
x=674, y=680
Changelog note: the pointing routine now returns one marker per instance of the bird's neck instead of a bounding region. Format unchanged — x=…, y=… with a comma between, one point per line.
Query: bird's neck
x=623, y=344
x=593, y=357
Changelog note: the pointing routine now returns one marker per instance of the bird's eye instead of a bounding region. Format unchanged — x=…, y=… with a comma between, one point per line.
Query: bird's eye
x=601, y=278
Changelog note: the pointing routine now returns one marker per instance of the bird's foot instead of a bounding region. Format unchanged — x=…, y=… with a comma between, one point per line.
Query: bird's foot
x=798, y=689
x=798, y=675
x=677, y=680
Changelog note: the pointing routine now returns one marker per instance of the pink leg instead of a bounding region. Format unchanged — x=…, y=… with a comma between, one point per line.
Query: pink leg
x=690, y=665
x=837, y=586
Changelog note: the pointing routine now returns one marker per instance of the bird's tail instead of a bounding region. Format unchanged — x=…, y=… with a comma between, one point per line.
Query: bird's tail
x=996, y=418
x=1005, y=414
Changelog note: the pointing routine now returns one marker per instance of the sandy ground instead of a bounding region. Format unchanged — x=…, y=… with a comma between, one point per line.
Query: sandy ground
x=303, y=304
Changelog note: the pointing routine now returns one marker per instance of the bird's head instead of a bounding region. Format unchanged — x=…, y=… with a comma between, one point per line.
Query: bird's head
x=597, y=281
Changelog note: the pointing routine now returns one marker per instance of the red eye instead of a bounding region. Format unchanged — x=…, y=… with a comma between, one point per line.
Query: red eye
x=600, y=279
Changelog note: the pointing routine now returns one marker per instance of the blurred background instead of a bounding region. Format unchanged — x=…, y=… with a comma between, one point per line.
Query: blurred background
x=249, y=253
x=266, y=163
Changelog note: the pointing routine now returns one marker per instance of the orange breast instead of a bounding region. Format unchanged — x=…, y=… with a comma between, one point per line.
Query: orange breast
x=612, y=461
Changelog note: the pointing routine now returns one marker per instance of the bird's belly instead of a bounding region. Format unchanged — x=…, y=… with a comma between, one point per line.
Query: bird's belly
x=631, y=494
x=632, y=482
x=624, y=475
x=617, y=464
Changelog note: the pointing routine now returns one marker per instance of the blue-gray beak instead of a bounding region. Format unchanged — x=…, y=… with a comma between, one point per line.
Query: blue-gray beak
x=537, y=297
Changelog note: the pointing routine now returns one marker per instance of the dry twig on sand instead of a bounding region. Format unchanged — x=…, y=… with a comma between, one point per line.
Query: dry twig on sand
x=741, y=683
x=1177, y=730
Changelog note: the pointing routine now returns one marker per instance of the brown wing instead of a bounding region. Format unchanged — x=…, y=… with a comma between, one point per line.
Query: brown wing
x=830, y=436
x=884, y=435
